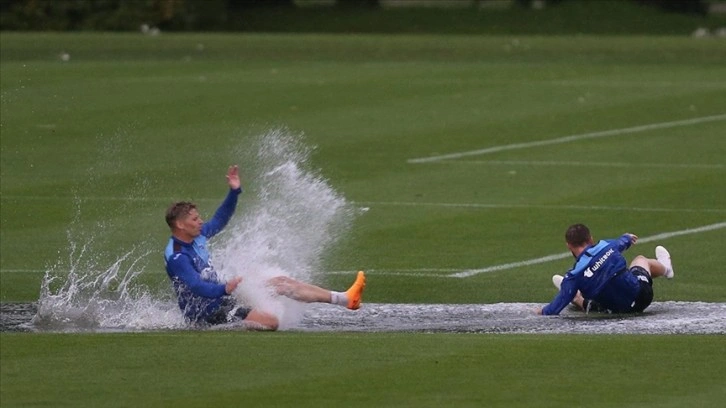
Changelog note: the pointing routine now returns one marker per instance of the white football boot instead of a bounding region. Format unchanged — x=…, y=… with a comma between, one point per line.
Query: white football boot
x=664, y=257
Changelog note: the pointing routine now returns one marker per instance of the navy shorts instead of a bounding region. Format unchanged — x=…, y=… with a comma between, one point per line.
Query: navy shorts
x=642, y=300
x=228, y=312
x=645, y=295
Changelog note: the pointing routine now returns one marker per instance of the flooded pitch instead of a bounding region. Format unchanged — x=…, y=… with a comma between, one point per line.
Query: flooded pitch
x=291, y=218
x=660, y=318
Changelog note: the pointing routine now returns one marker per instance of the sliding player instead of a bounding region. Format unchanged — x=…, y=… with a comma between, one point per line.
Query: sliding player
x=600, y=280
x=202, y=297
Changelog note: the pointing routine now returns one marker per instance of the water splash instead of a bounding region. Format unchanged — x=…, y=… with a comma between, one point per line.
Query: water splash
x=82, y=295
x=288, y=218
x=293, y=219
x=91, y=287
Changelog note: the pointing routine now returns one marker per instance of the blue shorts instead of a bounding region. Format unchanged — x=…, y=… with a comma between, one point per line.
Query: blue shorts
x=642, y=300
x=228, y=312
x=645, y=295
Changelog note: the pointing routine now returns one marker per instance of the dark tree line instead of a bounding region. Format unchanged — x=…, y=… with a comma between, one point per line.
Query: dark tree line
x=248, y=4
x=681, y=6
x=194, y=14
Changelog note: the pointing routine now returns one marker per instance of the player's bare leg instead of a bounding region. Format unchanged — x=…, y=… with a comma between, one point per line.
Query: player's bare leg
x=660, y=266
x=653, y=266
x=257, y=320
x=300, y=291
x=307, y=293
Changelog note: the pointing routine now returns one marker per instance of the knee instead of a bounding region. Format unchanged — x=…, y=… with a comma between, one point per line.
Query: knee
x=273, y=324
x=639, y=260
x=262, y=321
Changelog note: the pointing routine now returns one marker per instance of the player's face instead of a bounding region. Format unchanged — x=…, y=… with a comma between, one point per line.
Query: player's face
x=191, y=224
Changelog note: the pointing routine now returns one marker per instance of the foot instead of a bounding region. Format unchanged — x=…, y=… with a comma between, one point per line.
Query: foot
x=355, y=293
x=664, y=257
x=557, y=281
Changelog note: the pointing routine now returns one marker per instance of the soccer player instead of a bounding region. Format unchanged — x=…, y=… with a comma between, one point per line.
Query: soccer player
x=201, y=296
x=601, y=281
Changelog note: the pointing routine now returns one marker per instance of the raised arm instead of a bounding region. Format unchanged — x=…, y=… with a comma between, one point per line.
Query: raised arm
x=226, y=209
x=233, y=178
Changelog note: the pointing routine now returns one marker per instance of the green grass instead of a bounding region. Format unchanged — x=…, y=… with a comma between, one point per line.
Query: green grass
x=98, y=146
x=362, y=370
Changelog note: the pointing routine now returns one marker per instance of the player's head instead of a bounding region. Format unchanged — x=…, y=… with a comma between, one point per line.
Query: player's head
x=578, y=236
x=178, y=211
x=183, y=218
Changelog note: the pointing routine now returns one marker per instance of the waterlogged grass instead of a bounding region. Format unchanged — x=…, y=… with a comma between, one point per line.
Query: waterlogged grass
x=359, y=370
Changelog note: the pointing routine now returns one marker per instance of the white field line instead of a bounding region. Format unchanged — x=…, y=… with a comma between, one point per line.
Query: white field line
x=588, y=164
x=538, y=206
x=432, y=272
x=572, y=138
x=635, y=84
x=554, y=257
x=436, y=273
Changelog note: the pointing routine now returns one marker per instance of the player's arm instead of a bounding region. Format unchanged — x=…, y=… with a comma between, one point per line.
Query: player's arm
x=222, y=215
x=226, y=210
x=180, y=266
x=625, y=241
x=568, y=290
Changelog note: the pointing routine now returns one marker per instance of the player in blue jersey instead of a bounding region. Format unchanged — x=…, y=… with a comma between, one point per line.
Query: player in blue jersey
x=601, y=280
x=202, y=297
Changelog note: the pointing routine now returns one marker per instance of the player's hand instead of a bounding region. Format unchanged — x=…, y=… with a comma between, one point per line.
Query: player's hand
x=232, y=285
x=633, y=237
x=538, y=311
x=233, y=177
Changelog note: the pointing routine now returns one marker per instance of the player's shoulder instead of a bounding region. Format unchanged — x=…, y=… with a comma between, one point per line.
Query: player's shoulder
x=174, y=251
x=177, y=260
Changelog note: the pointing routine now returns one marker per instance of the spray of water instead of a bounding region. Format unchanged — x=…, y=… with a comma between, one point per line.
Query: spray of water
x=82, y=294
x=288, y=218
x=293, y=218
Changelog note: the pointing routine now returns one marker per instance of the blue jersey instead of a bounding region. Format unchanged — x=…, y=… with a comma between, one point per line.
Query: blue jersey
x=195, y=281
x=599, y=274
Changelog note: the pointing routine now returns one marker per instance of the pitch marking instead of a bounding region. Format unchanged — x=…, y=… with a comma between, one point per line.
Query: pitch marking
x=432, y=272
x=495, y=268
x=588, y=164
x=554, y=257
x=572, y=138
